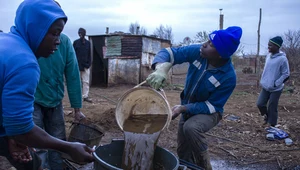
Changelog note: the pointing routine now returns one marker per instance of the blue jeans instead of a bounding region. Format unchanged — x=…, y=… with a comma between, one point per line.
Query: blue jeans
x=52, y=121
x=32, y=165
x=267, y=104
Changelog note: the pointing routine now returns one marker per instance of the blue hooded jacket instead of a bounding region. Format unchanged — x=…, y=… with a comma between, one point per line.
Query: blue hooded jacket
x=19, y=70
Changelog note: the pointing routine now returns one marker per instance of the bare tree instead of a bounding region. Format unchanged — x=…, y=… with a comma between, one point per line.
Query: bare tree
x=291, y=46
x=164, y=32
x=201, y=37
x=136, y=29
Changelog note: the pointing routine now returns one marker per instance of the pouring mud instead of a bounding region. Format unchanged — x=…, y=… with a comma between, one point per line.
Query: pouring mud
x=141, y=134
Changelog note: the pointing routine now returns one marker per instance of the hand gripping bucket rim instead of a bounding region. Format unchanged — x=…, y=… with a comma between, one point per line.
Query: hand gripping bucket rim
x=129, y=99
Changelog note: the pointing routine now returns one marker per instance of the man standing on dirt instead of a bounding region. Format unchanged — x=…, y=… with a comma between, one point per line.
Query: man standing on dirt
x=276, y=72
x=38, y=25
x=48, y=110
x=210, y=81
x=83, y=52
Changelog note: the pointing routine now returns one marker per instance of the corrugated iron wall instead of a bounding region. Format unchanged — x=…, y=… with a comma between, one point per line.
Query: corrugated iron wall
x=129, y=57
x=123, y=71
x=114, y=45
x=132, y=46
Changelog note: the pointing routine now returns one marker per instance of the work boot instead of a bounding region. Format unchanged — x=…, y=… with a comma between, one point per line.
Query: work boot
x=204, y=160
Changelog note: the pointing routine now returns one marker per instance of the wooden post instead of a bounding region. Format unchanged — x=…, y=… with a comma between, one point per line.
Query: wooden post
x=258, y=44
x=257, y=66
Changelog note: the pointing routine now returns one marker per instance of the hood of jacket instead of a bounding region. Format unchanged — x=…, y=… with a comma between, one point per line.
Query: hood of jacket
x=33, y=20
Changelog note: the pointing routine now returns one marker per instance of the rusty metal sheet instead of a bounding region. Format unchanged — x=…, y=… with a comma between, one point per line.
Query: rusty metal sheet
x=151, y=45
x=132, y=46
x=113, y=46
x=123, y=71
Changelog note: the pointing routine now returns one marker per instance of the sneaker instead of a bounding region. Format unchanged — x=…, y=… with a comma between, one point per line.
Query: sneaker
x=87, y=100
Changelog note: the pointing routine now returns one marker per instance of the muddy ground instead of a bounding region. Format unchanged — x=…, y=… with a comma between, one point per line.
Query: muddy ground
x=239, y=139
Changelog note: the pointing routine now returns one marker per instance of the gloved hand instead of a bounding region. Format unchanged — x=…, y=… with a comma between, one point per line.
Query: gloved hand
x=158, y=78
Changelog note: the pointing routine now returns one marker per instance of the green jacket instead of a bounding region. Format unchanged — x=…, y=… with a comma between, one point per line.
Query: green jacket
x=50, y=90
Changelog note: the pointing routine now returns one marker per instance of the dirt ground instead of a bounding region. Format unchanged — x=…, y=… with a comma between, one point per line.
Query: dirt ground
x=239, y=138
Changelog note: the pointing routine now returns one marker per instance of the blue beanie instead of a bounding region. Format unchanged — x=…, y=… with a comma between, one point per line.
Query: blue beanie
x=226, y=41
x=277, y=41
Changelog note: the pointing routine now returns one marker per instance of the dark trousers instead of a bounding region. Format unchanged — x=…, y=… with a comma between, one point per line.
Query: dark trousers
x=53, y=122
x=267, y=104
x=191, y=135
x=32, y=165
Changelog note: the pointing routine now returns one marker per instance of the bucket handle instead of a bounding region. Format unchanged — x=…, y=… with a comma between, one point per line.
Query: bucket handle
x=163, y=92
x=140, y=84
x=78, y=123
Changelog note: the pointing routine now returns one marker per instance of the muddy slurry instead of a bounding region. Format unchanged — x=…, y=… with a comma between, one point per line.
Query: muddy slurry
x=141, y=133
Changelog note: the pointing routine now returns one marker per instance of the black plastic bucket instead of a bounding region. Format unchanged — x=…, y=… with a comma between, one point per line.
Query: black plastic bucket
x=109, y=157
x=85, y=132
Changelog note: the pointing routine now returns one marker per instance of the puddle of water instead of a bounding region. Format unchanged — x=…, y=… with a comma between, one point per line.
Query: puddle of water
x=225, y=165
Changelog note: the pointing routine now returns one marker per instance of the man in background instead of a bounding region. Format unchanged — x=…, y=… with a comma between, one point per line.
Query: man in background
x=83, y=53
x=276, y=72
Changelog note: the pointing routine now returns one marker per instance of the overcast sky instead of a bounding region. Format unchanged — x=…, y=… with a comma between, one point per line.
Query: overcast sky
x=186, y=17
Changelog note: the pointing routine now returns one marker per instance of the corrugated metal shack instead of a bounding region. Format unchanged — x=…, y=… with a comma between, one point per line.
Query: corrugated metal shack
x=123, y=58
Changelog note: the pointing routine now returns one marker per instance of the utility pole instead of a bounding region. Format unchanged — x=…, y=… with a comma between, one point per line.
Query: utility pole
x=221, y=19
x=258, y=44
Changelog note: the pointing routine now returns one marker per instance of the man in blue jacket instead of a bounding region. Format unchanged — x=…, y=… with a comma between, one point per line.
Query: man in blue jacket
x=38, y=25
x=209, y=83
x=276, y=72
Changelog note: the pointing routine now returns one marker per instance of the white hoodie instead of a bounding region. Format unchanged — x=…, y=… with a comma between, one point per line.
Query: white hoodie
x=276, y=70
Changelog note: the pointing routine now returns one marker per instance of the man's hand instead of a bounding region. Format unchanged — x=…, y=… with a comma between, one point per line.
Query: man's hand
x=158, y=78
x=19, y=152
x=78, y=115
x=177, y=110
x=80, y=152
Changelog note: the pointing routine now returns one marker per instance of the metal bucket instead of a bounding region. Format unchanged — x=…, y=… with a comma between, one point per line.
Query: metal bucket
x=109, y=157
x=85, y=132
x=142, y=101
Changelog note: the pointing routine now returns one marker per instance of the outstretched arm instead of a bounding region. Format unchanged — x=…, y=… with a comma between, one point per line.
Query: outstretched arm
x=38, y=138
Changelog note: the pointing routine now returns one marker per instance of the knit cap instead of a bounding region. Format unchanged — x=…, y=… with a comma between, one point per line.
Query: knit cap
x=226, y=41
x=277, y=41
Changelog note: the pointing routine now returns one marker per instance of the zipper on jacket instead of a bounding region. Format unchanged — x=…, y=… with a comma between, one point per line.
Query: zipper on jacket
x=190, y=94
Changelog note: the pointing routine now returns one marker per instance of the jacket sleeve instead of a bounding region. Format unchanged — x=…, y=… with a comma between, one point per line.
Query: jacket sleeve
x=17, y=99
x=181, y=55
x=72, y=75
x=284, y=71
x=216, y=100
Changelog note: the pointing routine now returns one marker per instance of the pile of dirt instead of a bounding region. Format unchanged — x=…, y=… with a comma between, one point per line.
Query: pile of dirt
x=107, y=121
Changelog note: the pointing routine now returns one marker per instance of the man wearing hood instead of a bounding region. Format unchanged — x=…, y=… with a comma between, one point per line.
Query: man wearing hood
x=36, y=33
x=209, y=83
x=276, y=72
